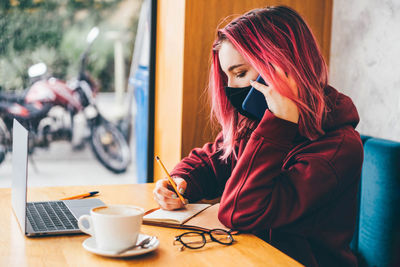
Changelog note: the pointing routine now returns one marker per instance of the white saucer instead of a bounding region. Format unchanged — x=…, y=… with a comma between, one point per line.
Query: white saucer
x=90, y=245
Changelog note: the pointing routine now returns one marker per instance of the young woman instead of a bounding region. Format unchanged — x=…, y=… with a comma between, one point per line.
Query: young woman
x=291, y=178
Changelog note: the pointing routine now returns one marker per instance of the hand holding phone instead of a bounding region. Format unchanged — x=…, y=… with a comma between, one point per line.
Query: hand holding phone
x=255, y=102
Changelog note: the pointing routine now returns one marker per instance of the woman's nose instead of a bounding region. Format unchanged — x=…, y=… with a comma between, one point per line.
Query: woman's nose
x=236, y=83
x=231, y=84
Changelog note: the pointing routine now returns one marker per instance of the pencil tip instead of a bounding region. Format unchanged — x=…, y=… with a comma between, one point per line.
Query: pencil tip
x=157, y=158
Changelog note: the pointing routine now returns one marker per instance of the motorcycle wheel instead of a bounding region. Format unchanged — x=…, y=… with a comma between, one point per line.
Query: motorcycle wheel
x=110, y=147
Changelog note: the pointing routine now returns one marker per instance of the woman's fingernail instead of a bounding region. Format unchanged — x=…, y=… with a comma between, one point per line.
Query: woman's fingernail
x=174, y=196
x=181, y=191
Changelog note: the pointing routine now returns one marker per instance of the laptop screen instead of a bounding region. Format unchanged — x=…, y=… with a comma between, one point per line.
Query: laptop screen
x=20, y=169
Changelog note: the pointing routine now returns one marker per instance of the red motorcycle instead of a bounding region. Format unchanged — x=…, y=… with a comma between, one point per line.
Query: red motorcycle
x=48, y=109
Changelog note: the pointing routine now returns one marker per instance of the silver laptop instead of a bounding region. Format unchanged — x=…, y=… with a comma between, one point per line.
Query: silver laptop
x=47, y=217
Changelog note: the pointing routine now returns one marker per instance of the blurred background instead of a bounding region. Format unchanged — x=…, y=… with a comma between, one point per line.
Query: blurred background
x=55, y=33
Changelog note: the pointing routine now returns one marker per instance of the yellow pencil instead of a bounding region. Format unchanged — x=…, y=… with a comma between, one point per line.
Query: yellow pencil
x=170, y=180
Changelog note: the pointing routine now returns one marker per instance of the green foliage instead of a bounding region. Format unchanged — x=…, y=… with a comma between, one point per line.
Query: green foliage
x=54, y=32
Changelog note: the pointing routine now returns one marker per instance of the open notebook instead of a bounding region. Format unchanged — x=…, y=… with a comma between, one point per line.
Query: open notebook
x=194, y=216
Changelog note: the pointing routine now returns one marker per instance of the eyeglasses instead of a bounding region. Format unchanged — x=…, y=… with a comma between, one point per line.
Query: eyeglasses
x=196, y=240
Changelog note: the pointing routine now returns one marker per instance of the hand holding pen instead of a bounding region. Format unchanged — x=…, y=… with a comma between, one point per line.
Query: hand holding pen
x=166, y=198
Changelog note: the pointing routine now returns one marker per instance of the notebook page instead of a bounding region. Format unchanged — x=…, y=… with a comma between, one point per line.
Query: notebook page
x=175, y=216
x=208, y=219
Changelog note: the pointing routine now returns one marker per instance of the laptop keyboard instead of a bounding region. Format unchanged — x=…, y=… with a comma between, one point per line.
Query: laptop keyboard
x=50, y=216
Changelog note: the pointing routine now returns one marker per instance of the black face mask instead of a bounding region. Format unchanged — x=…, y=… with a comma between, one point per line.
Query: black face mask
x=236, y=96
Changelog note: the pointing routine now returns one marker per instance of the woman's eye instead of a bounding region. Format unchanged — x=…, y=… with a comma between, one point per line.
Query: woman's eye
x=241, y=74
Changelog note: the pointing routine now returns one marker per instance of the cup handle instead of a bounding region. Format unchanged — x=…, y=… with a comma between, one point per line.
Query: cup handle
x=83, y=228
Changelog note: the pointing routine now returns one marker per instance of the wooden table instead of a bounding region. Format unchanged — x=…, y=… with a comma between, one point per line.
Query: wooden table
x=18, y=250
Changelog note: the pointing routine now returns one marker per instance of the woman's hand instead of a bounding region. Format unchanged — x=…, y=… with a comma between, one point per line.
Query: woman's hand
x=281, y=106
x=166, y=197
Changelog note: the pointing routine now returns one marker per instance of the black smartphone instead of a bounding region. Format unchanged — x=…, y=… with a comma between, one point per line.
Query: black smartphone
x=255, y=102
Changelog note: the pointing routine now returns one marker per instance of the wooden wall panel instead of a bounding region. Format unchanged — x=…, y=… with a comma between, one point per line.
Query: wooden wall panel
x=199, y=22
x=169, y=82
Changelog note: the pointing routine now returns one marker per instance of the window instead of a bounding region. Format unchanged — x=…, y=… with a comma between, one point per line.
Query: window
x=58, y=34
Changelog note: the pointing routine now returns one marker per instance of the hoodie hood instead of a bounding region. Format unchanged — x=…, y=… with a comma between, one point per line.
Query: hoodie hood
x=341, y=110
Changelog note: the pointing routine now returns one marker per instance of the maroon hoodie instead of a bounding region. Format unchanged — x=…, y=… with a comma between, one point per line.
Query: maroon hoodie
x=298, y=195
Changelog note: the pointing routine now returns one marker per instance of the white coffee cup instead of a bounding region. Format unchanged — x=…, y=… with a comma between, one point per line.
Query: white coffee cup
x=114, y=227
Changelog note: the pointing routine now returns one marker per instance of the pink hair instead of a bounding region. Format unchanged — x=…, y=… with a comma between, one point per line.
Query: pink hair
x=277, y=36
